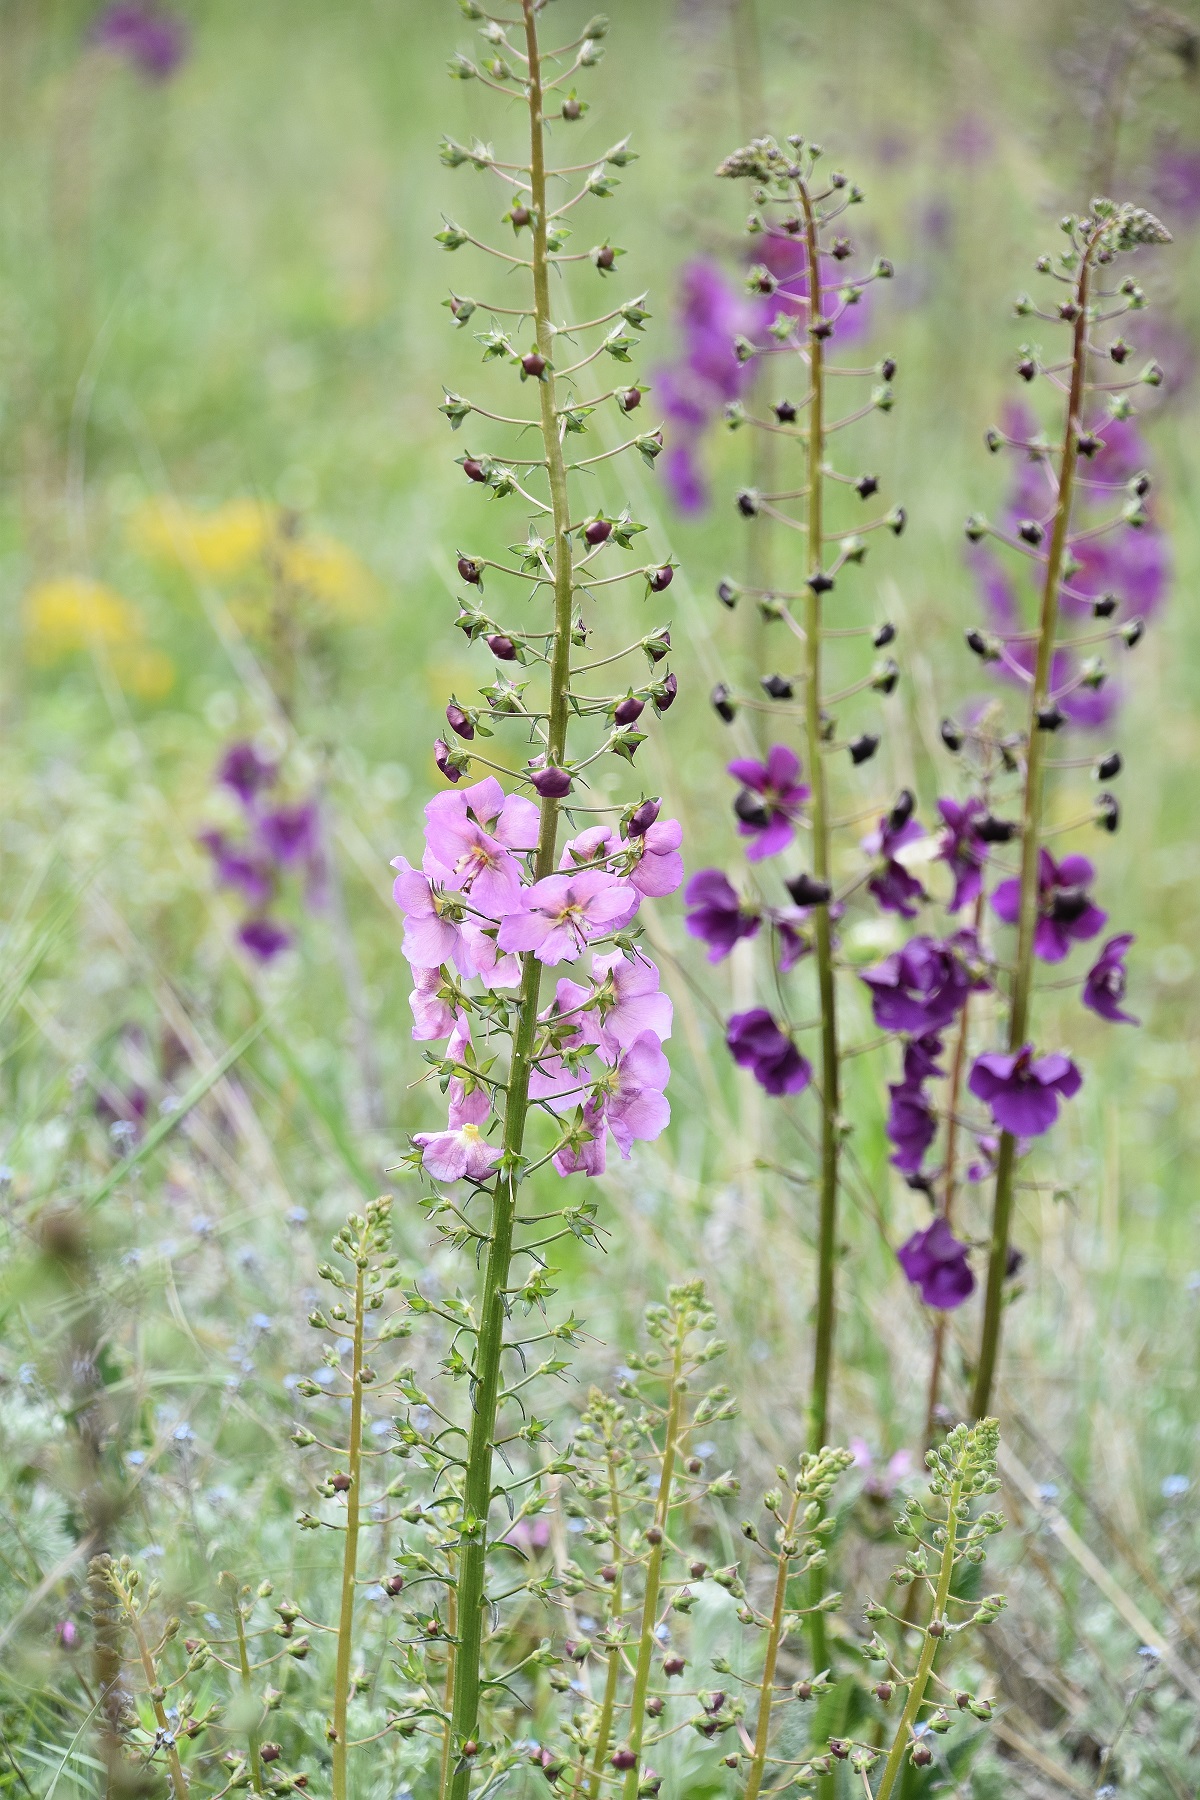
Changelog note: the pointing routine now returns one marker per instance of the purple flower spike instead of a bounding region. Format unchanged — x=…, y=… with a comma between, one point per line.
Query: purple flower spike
x=1023, y=1092
x=717, y=917
x=936, y=1262
x=756, y=1043
x=1104, y=984
x=154, y=42
x=263, y=938
x=920, y=988
x=770, y=800
x=246, y=771
x=1066, y=912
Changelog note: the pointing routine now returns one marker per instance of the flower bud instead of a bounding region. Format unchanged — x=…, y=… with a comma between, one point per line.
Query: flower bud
x=747, y=503
x=697, y=1570
x=270, y=1753
x=903, y=810
x=642, y=818
x=657, y=644
x=551, y=783
x=1105, y=606
x=953, y=735
x=803, y=1690
x=598, y=531
x=885, y=676
x=1030, y=532
x=997, y=831
x=664, y=694
x=722, y=705
x=1108, y=812
x=727, y=593
x=883, y=1691
x=863, y=747
x=1134, y=632
x=604, y=257
x=778, y=687
x=806, y=890
x=572, y=108
x=451, y=763
x=660, y=579
x=820, y=582
x=1050, y=718
x=883, y=635
x=866, y=485
x=629, y=710
x=655, y=1705
x=470, y=570
x=629, y=399
x=393, y=1585
x=534, y=364
x=501, y=647
x=922, y=1756
x=784, y=411
x=1109, y=767
x=459, y=721
x=473, y=469
x=623, y=1759
x=674, y=1665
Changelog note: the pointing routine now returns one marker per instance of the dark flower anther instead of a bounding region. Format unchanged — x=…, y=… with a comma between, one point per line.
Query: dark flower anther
x=551, y=782
x=756, y=1043
x=936, y=1262
x=784, y=411
x=1023, y=1091
x=770, y=801
x=1109, y=767
x=806, y=890
x=470, y=570
x=459, y=721
x=722, y=704
x=883, y=635
x=863, y=747
x=777, y=686
x=501, y=647
x=597, y=531
x=1066, y=912
x=629, y=710
x=1104, y=983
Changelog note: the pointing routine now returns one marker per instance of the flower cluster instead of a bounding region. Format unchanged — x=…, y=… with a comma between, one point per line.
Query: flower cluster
x=278, y=838
x=154, y=42
x=473, y=910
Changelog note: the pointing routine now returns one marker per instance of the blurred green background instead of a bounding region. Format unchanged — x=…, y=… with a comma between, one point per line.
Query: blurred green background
x=219, y=297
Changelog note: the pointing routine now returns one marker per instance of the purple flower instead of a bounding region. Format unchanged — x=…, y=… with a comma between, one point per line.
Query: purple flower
x=880, y=1480
x=659, y=866
x=717, y=917
x=920, y=988
x=892, y=885
x=246, y=771
x=794, y=938
x=432, y=1016
x=1066, y=912
x=1023, y=1092
x=769, y=802
x=756, y=1043
x=238, y=867
x=1104, y=983
x=461, y=1151
x=787, y=259
x=585, y=1148
x=961, y=846
x=936, y=1262
x=155, y=42
x=911, y=1122
x=465, y=855
x=562, y=914
x=1176, y=184
x=263, y=938
x=290, y=833
x=635, y=1105
x=623, y=1001
x=706, y=376
x=433, y=922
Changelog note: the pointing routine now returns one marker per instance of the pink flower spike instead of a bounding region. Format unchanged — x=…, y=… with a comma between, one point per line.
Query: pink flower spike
x=563, y=913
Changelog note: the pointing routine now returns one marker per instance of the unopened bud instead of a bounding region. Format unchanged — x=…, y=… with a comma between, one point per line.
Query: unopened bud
x=722, y=704
x=470, y=570
x=597, y=531
x=551, y=783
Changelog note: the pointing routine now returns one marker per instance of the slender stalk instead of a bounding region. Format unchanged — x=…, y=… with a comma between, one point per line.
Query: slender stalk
x=345, y=1644
x=916, y=1692
x=615, y=1608
x=1031, y=817
x=448, y=1688
x=662, y=1509
x=239, y=1625
x=766, y=1687
x=493, y=1306
x=179, y=1786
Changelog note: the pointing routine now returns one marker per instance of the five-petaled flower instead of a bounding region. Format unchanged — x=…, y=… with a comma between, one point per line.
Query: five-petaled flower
x=936, y=1262
x=769, y=800
x=718, y=916
x=757, y=1043
x=1066, y=911
x=892, y=885
x=921, y=987
x=561, y=914
x=1023, y=1091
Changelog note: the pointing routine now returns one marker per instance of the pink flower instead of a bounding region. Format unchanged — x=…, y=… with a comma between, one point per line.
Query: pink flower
x=586, y=1150
x=432, y=1017
x=636, y=1106
x=461, y=1151
x=629, y=1001
x=479, y=860
x=563, y=913
x=659, y=868
x=433, y=921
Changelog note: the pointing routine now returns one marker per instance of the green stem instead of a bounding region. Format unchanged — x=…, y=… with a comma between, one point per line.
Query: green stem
x=493, y=1307
x=818, y=1425
x=239, y=1625
x=615, y=1608
x=766, y=1688
x=916, y=1692
x=345, y=1641
x=179, y=1784
x=1031, y=818
x=662, y=1510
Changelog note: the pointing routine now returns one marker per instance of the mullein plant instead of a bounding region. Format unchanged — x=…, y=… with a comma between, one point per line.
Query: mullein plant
x=498, y=899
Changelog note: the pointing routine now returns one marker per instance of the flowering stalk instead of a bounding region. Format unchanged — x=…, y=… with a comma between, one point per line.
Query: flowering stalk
x=123, y=1580
x=245, y=1672
x=342, y=1684
x=1095, y=240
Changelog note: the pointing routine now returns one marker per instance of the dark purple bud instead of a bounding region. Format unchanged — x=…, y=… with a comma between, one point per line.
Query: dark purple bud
x=887, y=368
x=642, y=818
x=723, y=706
x=501, y=647
x=655, y=1705
x=605, y=257
x=840, y=249
x=459, y=721
x=1140, y=485
x=470, y=570
x=470, y=1747
x=820, y=582
x=661, y=578
x=520, y=215
x=629, y=710
x=751, y=808
x=1119, y=351
x=664, y=694
x=1108, y=812
x=534, y=363
x=840, y=1748
x=657, y=644
x=806, y=890
x=1069, y=311
x=822, y=328
x=897, y=519
x=674, y=1665
x=714, y=1702
x=953, y=735
x=623, y=1759
x=922, y=1756
x=883, y=635
x=784, y=411
x=863, y=747
x=394, y=1585
x=1027, y=368
x=1134, y=632
x=747, y=503
x=598, y=531
x=447, y=761
x=1109, y=767
x=727, y=593
x=883, y=1691
x=866, y=485
x=270, y=1752
x=1050, y=718
x=996, y=831
x=886, y=676
x=1105, y=606
x=777, y=686
x=903, y=810
x=1087, y=443
x=551, y=783
x=803, y=1690
x=1030, y=532
x=629, y=399
x=474, y=471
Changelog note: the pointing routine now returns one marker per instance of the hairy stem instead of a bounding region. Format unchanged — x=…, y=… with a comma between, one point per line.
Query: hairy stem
x=916, y=1692
x=345, y=1642
x=766, y=1687
x=1031, y=819
x=615, y=1607
x=493, y=1308
x=662, y=1509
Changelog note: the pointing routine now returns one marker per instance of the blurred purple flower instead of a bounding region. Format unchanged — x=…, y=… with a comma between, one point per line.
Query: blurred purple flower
x=936, y=1262
x=786, y=257
x=880, y=1480
x=756, y=1043
x=704, y=378
x=154, y=42
x=1104, y=983
x=1175, y=184
x=717, y=917
x=919, y=988
x=769, y=802
x=911, y=1122
x=239, y=867
x=263, y=938
x=1022, y=1091
x=290, y=834
x=962, y=847
x=1066, y=911
x=892, y=885
x=244, y=769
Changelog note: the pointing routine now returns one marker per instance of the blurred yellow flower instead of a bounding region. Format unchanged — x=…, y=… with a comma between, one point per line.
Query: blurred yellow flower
x=328, y=572
x=74, y=613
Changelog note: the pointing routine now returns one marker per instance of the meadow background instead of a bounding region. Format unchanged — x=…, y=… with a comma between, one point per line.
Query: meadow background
x=219, y=307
